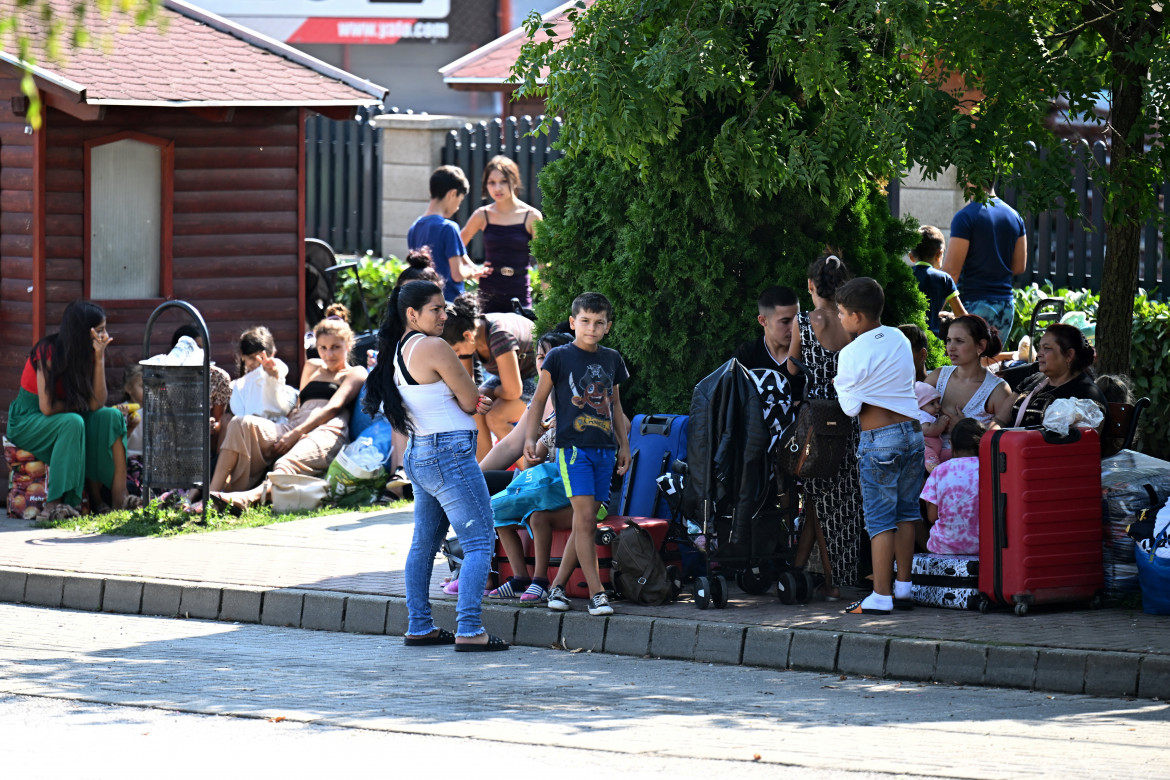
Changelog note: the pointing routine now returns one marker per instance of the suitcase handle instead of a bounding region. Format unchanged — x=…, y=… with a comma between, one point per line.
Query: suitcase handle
x=656, y=424
x=1052, y=437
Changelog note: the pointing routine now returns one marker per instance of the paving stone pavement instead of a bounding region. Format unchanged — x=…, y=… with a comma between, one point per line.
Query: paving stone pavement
x=577, y=700
x=344, y=572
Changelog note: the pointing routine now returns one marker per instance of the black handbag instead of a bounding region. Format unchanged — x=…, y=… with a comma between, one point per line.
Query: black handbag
x=817, y=443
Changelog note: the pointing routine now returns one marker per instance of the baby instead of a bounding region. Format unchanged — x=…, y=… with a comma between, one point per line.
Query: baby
x=933, y=421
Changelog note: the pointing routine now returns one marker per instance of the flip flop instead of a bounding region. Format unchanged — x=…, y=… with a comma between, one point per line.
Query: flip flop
x=856, y=609
x=444, y=637
x=494, y=643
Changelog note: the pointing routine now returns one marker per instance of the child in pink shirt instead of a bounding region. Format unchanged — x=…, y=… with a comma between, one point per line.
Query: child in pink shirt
x=952, y=494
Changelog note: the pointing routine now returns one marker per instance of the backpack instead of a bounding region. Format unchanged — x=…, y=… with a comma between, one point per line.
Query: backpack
x=638, y=573
x=819, y=440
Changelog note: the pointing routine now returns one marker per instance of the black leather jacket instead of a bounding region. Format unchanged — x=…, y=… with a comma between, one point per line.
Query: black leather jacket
x=727, y=451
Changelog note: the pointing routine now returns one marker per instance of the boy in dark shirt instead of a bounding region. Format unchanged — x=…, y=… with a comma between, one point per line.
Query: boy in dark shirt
x=583, y=378
x=437, y=232
x=939, y=288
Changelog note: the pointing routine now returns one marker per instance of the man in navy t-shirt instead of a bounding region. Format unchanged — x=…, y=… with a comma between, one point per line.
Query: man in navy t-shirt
x=440, y=235
x=988, y=247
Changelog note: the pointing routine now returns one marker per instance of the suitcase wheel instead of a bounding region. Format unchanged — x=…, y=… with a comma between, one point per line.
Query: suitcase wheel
x=1021, y=609
x=605, y=536
x=702, y=591
x=984, y=606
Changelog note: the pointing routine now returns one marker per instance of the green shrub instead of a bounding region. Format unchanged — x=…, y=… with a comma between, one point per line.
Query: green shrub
x=377, y=276
x=683, y=272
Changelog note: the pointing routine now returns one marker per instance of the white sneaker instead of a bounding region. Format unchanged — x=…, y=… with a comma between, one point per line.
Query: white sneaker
x=557, y=600
x=599, y=604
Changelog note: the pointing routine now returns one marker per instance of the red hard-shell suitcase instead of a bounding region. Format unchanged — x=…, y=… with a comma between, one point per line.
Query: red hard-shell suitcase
x=1039, y=518
x=607, y=531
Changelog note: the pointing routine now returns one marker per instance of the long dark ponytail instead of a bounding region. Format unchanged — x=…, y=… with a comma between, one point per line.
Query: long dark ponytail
x=382, y=395
x=70, y=350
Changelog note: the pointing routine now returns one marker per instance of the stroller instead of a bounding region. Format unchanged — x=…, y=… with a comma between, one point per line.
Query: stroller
x=733, y=493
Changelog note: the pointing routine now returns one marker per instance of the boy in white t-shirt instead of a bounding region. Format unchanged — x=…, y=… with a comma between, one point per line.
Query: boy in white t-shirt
x=875, y=383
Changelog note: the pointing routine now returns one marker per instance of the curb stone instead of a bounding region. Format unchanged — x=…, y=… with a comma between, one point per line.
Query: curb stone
x=1096, y=673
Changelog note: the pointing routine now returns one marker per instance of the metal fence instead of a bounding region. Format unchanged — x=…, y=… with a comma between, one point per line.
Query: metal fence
x=343, y=182
x=1071, y=252
x=473, y=145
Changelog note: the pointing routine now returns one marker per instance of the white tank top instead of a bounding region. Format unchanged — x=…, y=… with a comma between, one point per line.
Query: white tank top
x=432, y=407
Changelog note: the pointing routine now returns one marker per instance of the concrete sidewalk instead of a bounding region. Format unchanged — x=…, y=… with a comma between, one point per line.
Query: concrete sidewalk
x=344, y=573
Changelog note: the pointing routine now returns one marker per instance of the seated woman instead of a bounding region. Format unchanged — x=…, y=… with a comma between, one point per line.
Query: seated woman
x=311, y=437
x=1065, y=358
x=503, y=344
x=60, y=416
x=967, y=388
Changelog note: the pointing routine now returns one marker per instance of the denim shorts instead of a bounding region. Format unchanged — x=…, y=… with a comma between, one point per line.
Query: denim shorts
x=587, y=471
x=892, y=469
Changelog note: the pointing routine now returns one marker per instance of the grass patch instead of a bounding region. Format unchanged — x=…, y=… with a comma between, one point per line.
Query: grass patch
x=156, y=520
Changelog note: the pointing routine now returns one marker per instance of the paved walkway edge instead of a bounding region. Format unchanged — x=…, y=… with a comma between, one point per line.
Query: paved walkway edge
x=1096, y=673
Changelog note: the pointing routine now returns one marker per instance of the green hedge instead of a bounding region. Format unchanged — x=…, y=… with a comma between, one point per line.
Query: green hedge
x=1150, y=354
x=683, y=271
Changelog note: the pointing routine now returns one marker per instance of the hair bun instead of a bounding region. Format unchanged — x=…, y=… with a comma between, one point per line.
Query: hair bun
x=419, y=258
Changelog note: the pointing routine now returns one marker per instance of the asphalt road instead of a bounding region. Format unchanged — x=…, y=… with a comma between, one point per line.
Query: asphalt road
x=301, y=703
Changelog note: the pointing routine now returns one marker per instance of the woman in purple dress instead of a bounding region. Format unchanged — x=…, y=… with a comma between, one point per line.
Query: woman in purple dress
x=508, y=225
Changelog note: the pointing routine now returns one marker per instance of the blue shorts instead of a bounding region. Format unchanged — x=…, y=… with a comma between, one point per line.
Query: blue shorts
x=892, y=466
x=587, y=471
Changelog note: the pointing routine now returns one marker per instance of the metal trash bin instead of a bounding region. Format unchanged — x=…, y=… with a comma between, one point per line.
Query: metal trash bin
x=176, y=440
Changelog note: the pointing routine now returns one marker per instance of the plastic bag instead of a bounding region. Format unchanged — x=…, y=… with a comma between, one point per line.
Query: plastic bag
x=1063, y=413
x=357, y=476
x=1123, y=480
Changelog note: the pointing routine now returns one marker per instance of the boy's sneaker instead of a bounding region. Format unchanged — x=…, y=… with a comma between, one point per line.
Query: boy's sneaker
x=599, y=604
x=557, y=600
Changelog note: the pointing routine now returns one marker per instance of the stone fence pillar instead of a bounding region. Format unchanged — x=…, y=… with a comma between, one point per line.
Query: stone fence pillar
x=412, y=145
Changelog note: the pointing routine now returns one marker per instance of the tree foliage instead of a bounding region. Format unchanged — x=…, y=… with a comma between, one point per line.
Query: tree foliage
x=714, y=149
x=761, y=101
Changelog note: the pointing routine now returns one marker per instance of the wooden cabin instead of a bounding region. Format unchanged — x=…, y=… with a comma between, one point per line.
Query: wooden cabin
x=170, y=164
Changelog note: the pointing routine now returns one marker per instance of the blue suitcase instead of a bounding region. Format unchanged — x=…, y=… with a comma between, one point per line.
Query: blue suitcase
x=655, y=441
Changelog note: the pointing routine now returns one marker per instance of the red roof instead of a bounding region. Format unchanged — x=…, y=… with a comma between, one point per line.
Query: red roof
x=185, y=56
x=490, y=66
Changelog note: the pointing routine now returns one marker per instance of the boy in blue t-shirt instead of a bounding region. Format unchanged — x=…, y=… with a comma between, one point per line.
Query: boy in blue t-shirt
x=436, y=232
x=583, y=378
x=938, y=287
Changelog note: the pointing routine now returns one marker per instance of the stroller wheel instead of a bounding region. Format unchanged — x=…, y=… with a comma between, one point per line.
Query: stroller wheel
x=753, y=581
x=786, y=588
x=806, y=586
x=702, y=591
x=719, y=585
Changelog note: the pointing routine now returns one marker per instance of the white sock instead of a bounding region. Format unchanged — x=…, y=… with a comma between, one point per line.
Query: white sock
x=902, y=590
x=876, y=600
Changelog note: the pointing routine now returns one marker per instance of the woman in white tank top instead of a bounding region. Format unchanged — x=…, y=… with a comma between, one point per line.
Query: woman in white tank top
x=426, y=394
x=967, y=388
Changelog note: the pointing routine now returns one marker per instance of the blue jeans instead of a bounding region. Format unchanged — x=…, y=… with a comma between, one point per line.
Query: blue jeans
x=891, y=465
x=449, y=491
x=1000, y=314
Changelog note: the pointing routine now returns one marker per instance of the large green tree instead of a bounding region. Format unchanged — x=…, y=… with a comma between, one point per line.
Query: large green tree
x=714, y=148
x=764, y=99
x=1019, y=56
